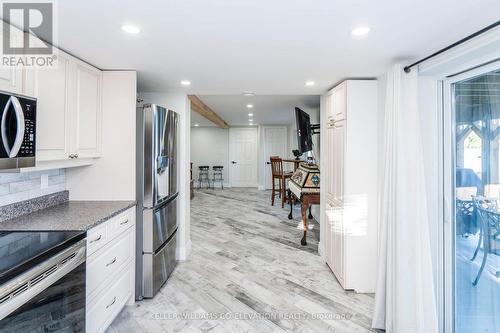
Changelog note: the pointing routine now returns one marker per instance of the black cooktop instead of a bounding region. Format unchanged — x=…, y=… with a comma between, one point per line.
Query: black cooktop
x=21, y=250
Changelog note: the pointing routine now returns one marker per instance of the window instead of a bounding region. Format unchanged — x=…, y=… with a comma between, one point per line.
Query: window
x=476, y=109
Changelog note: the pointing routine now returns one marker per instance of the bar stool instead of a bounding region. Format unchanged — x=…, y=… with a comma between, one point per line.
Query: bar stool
x=203, y=175
x=278, y=173
x=217, y=176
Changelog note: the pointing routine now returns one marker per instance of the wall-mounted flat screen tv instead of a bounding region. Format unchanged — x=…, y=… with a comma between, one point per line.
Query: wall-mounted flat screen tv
x=304, y=133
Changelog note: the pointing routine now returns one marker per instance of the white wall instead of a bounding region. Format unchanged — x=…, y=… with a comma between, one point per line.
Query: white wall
x=180, y=104
x=111, y=177
x=210, y=146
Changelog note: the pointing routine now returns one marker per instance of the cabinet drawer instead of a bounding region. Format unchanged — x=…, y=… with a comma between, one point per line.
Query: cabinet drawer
x=102, y=266
x=96, y=238
x=121, y=223
x=101, y=313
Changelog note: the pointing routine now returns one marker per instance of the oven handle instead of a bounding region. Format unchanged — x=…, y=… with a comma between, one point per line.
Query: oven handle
x=12, y=152
x=18, y=291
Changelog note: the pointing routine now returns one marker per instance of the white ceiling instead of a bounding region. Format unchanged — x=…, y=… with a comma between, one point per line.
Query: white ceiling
x=267, y=110
x=269, y=47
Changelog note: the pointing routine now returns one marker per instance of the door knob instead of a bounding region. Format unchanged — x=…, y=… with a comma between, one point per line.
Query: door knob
x=234, y=162
x=268, y=162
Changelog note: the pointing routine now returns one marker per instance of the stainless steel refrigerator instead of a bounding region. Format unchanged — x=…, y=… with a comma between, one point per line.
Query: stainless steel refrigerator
x=157, y=184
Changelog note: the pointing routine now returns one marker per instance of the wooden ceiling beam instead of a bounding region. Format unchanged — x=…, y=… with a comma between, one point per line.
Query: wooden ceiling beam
x=201, y=108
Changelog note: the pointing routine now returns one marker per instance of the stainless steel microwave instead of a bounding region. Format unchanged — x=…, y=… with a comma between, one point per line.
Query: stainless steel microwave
x=18, y=131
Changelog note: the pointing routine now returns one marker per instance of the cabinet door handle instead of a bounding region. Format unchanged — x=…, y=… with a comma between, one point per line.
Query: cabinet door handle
x=110, y=304
x=97, y=239
x=124, y=222
x=112, y=262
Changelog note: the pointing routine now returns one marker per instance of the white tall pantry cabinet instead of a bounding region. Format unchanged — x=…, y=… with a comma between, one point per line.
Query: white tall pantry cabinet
x=349, y=177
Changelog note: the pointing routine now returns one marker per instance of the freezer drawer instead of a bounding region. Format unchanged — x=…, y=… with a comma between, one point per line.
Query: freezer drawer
x=159, y=224
x=158, y=267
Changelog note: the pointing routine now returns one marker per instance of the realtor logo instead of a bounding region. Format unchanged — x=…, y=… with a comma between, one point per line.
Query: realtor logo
x=28, y=34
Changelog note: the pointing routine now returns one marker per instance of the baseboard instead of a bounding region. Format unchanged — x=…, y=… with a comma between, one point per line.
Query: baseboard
x=320, y=250
x=217, y=186
x=183, y=251
x=261, y=188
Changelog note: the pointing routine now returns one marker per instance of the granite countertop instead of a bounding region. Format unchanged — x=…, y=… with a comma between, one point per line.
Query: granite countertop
x=67, y=216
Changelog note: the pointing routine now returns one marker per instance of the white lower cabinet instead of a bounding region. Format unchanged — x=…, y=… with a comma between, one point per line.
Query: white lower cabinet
x=102, y=312
x=110, y=270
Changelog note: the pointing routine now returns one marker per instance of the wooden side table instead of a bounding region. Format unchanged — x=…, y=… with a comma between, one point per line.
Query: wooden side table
x=306, y=202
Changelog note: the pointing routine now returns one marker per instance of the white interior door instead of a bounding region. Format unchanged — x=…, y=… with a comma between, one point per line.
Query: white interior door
x=275, y=142
x=243, y=157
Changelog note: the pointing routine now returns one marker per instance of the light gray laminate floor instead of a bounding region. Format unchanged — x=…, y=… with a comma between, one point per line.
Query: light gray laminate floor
x=247, y=265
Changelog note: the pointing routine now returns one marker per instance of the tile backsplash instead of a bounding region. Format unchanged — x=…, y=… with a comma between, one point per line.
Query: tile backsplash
x=15, y=187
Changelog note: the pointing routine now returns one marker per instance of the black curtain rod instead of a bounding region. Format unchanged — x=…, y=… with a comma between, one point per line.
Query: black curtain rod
x=407, y=69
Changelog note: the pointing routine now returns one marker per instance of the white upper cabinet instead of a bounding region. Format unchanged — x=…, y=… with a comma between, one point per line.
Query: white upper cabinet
x=50, y=87
x=88, y=119
x=340, y=102
x=69, y=115
x=11, y=80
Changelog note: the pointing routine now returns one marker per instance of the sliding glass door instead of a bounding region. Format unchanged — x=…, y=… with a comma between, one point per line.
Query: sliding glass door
x=473, y=250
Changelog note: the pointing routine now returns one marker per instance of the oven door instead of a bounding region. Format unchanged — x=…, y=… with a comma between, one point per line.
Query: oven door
x=50, y=297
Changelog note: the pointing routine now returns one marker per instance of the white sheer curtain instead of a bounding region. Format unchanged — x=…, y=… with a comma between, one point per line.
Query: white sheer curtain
x=404, y=300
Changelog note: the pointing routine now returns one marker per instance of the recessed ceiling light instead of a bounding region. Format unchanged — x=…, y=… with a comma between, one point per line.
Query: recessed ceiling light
x=250, y=120
x=186, y=83
x=131, y=29
x=360, y=31
x=248, y=93
x=309, y=83
x=196, y=125
x=250, y=114
x=249, y=106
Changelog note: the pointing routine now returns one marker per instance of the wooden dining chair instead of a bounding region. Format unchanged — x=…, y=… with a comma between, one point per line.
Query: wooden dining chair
x=281, y=176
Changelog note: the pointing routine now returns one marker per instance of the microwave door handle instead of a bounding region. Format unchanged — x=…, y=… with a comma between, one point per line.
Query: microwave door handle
x=12, y=152
x=3, y=125
x=20, y=127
